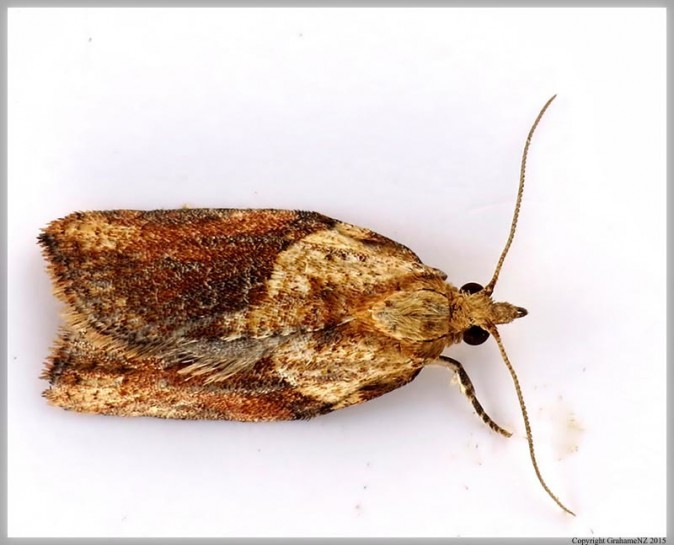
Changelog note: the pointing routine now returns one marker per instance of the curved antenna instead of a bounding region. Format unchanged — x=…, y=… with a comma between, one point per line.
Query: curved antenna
x=489, y=288
x=527, y=426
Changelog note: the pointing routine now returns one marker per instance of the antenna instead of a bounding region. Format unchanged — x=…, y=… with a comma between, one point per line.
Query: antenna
x=489, y=288
x=527, y=426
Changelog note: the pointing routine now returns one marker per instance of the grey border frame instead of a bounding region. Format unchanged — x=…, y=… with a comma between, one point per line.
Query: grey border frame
x=4, y=6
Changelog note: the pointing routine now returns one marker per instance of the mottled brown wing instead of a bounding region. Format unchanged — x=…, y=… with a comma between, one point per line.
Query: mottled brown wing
x=218, y=289
x=322, y=371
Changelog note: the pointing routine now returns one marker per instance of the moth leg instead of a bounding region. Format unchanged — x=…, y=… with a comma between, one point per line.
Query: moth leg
x=469, y=391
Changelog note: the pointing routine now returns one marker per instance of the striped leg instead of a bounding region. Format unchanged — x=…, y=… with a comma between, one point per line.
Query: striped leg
x=469, y=391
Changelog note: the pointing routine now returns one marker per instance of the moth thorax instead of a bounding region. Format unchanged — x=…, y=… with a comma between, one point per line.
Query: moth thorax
x=413, y=315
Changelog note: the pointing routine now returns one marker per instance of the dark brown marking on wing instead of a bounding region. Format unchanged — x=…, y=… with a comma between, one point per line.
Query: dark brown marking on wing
x=167, y=267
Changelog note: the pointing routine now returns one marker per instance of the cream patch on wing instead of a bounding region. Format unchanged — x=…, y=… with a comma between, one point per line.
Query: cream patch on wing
x=318, y=280
x=333, y=367
x=97, y=233
x=334, y=259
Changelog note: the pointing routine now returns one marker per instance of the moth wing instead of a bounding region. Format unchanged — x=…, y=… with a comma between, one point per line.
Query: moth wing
x=216, y=289
x=313, y=374
x=85, y=377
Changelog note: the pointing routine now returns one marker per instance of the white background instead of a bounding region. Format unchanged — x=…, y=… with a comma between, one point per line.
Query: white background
x=410, y=122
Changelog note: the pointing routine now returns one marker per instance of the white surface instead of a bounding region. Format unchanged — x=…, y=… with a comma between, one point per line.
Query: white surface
x=409, y=122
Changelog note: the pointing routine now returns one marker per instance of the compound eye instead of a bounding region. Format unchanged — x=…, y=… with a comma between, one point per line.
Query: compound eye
x=471, y=287
x=475, y=335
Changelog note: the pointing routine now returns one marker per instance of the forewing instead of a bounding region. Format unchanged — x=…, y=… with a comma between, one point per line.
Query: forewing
x=313, y=373
x=216, y=289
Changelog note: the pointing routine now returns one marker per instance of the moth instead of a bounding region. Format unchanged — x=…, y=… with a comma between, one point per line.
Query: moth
x=254, y=315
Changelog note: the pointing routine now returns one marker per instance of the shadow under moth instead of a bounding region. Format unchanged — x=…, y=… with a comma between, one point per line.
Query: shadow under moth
x=254, y=315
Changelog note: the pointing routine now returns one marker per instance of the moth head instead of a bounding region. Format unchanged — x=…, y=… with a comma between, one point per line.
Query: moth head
x=484, y=313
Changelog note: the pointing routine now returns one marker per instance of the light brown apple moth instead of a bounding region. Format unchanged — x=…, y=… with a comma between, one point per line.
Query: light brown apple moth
x=253, y=314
